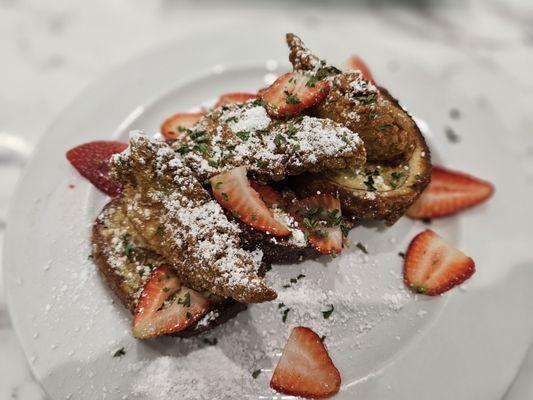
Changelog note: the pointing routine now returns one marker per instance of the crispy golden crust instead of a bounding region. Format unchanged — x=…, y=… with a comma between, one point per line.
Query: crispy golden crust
x=244, y=135
x=385, y=128
x=177, y=218
x=125, y=265
x=396, y=189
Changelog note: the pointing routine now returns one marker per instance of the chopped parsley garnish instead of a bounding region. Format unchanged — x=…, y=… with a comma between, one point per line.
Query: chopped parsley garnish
x=188, y=315
x=128, y=247
x=401, y=254
x=395, y=178
x=386, y=127
x=452, y=136
x=291, y=98
x=165, y=289
x=120, y=352
x=202, y=148
x=259, y=162
x=212, y=163
x=258, y=102
x=361, y=247
x=455, y=113
x=292, y=280
x=90, y=257
x=418, y=177
x=426, y=221
x=370, y=183
x=231, y=119
x=279, y=139
x=160, y=230
x=243, y=135
x=367, y=99
x=312, y=81
x=334, y=218
x=211, y=342
x=164, y=277
x=291, y=130
x=256, y=373
x=186, y=301
x=322, y=338
x=281, y=305
x=372, y=114
x=285, y=314
x=327, y=314
x=225, y=196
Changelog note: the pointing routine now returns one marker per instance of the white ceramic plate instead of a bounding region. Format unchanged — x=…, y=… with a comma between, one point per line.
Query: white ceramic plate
x=387, y=343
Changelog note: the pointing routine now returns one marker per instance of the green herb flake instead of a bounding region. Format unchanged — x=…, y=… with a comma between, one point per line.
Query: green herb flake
x=211, y=342
x=285, y=314
x=291, y=98
x=258, y=103
x=225, y=196
x=259, y=162
x=327, y=314
x=279, y=139
x=322, y=338
x=256, y=373
x=452, y=136
x=372, y=114
x=401, y=254
x=120, y=352
x=243, y=135
x=455, y=113
x=165, y=289
x=188, y=315
x=361, y=247
x=160, y=230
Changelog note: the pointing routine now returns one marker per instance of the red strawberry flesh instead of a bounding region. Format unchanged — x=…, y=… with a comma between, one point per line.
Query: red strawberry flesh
x=356, y=63
x=233, y=191
x=319, y=216
x=235, y=97
x=175, y=126
x=305, y=368
x=165, y=306
x=433, y=266
x=292, y=93
x=448, y=193
x=92, y=162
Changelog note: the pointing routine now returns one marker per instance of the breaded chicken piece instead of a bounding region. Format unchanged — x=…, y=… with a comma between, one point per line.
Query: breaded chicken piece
x=244, y=134
x=385, y=128
x=177, y=218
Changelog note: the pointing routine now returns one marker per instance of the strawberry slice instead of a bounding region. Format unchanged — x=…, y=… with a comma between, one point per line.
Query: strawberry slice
x=165, y=306
x=292, y=93
x=233, y=191
x=305, y=368
x=270, y=196
x=448, y=193
x=433, y=266
x=173, y=127
x=233, y=98
x=92, y=161
x=356, y=63
x=319, y=217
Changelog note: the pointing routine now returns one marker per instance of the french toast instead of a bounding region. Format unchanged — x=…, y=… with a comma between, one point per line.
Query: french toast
x=126, y=262
x=398, y=166
x=274, y=178
x=178, y=218
x=244, y=134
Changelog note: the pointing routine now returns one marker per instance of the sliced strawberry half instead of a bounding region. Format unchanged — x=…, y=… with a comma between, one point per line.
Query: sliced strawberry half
x=233, y=98
x=319, y=217
x=269, y=195
x=292, y=93
x=448, y=193
x=233, y=191
x=175, y=126
x=305, y=368
x=433, y=266
x=92, y=161
x=356, y=63
x=165, y=306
